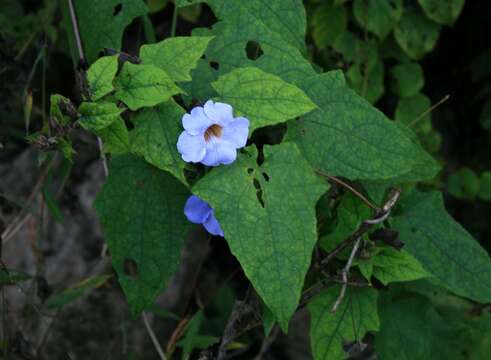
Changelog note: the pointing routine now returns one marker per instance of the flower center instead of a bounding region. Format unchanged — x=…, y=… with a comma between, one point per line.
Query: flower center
x=213, y=131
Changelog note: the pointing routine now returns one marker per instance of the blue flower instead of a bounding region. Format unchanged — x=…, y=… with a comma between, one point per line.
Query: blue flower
x=199, y=212
x=212, y=135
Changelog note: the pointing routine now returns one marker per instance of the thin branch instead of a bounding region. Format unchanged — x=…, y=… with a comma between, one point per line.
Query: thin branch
x=153, y=337
x=103, y=156
x=344, y=275
x=267, y=342
x=81, y=54
x=22, y=217
x=380, y=216
x=349, y=188
x=430, y=109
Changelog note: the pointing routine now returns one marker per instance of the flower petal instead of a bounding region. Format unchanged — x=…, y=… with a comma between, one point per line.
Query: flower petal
x=212, y=225
x=196, y=210
x=196, y=122
x=219, y=113
x=236, y=132
x=191, y=147
x=219, y=151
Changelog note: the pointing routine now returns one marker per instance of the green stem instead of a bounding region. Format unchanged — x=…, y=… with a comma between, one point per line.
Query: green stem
x=174, y=21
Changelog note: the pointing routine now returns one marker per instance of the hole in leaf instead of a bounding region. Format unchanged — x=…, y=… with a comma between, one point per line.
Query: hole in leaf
x=117, y=9
x=250, y=170
x=253, y=50
x=266, y=177
x=259, y=191
x=214, y=65
x=130, y=267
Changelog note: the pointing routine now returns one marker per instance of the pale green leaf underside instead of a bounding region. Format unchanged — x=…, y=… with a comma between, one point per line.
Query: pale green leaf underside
x=97, y=116
x=177, y=56
x=273, y=243
x=443, y=247
x=263, y=98
x=144, y=85
x=155, y=137
x=100, y=76
x=348, y=137
x=141, y=212
x=102, y=26
x=356, y=315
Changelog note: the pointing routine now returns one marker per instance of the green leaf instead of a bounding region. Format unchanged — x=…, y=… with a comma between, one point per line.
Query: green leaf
x=265, y=99
x=415, y=34
x=418, y=321
x=141, y=212
x=348, y=137
x=269, y=220
x=463, y=184
x=75, y=292
x=97, y=116
x=485, y=187
x=155, y=137
x=102, y=23
x=100, y=76
x=278, y=27
x=485, y=116
x=443, y=12
x=144, y=85
x=192, y=338
x=407, y=79
x=378, y=16
x=12, y=277
x=55, y=111
x=443, y=247
x=177, y=56
x=287, y=19
x=390, y=265
x=156, y=5
x=329, y=21
x=115, y=138
x=356, y=315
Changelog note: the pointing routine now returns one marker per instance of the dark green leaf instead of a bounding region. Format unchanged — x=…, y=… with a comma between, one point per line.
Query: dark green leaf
x=328, y=22
x=356, y=315
x=12, y=277
x=102, y=23
x=378, y=16
x=407, y=79
x=141, y=211
x=443, y=247
x=265, y=99
x=463, y=184
x=415, y=34
x=348, y=137
x=443, y=12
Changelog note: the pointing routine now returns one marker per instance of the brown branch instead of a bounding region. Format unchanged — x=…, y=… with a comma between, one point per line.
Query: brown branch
x=349, y=188
x=430, y=109
x=380, y=216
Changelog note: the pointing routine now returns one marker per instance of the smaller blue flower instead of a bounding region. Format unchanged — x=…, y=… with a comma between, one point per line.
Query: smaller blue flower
x=212, y=135
x=199, y=212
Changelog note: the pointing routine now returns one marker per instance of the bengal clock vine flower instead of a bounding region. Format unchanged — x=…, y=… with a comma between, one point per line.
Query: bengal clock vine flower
x=212, y=135
x=200, y=212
